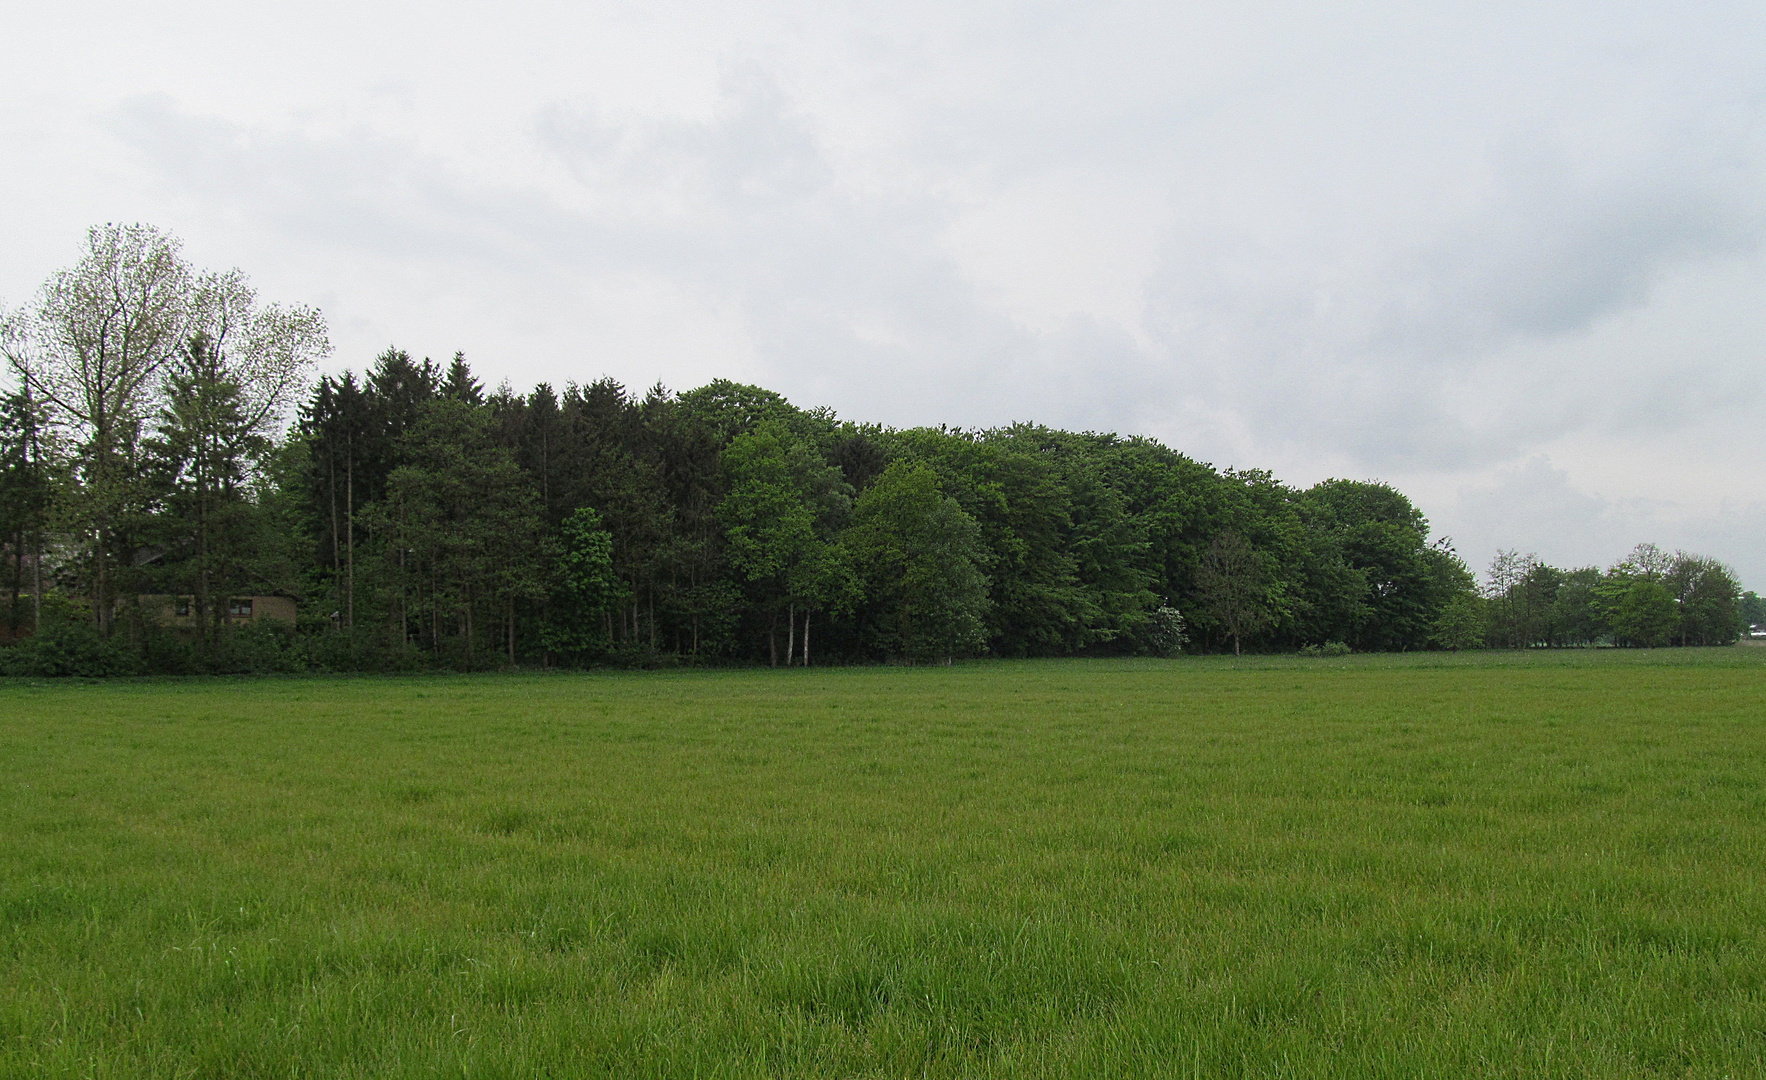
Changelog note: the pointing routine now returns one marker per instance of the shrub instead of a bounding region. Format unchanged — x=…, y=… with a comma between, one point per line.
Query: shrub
x=64, y=648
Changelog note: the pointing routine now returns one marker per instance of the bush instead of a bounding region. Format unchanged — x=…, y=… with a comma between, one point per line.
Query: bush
x=71, y=647
x=1329, y=648
x=263, y=647
x=1163, y=634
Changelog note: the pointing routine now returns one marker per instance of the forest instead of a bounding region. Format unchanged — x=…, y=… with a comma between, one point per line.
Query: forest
x=167, y=454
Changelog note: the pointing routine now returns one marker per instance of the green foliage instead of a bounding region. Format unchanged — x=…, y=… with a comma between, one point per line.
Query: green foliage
x=1164, y=633
x=69, y=642
x=923, y=558
x=587, y=586
x=419, y=521
x=1640, y=610
x=1461, y=623
x=1233, y=585
x=1750, y=610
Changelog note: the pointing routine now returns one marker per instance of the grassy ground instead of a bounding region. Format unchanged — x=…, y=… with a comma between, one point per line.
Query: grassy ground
x=1484, y=865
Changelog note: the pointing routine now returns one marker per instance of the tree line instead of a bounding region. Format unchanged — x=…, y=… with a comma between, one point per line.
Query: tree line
x=163, y=439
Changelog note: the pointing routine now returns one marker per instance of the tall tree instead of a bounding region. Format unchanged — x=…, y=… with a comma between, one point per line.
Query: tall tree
x=782, y=507
x=924, y=563
x=92, y=346
x=462, y=527
x=26, y=478
x=1233, y=587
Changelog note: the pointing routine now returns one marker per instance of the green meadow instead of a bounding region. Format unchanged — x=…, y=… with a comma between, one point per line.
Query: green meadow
x=1520, y=865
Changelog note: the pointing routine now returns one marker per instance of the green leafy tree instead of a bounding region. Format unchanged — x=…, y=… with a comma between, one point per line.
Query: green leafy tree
x=92, y=347
x=1641, y=611
x=1706, y=592
x=462, y=528
x=1384, y=539
x=923, y=560
x=1461, y=623
x=782, y=506
x=587, y=586
x=27, y=472
x=1233, y=586
x=205, y=449
x=1750, y=610
x=1576, y=612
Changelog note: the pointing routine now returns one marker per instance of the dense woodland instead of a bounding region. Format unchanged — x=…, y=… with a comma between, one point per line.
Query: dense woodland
x=163, y=437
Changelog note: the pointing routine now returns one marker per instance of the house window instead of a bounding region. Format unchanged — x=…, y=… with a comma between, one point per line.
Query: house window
x=240, y=609
x=182, y=607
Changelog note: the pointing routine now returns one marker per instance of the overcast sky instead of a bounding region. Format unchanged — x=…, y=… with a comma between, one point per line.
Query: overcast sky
x=1506, y=256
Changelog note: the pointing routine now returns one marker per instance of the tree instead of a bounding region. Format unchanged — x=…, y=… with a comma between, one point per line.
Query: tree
x=587, y=585
x=1461, y=623
x=1750, y=610
x=1232, y=587
x=97, y=347
x=1576, y=609
x=462, y=526
x=922, y=556
x=1384, y=540
x=1641, y=611
x=205, y=449
x=26, y=488
x=92, y=347
x=782, y=507
x=1706, y=592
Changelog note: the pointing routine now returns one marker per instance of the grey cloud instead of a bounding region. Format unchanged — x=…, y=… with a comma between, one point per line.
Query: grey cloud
x=1392, y=240
x=1536, y=508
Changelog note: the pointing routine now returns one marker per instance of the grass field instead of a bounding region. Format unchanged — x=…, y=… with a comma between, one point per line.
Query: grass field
x=1482, y=865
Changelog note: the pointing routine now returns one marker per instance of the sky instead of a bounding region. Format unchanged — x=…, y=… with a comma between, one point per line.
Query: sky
x=1507, y=257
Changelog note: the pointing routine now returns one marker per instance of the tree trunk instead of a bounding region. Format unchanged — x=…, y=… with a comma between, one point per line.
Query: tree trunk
x=790, y=634
x=37, y=583
x=331, y=486
x=511, y=629
x=100, y=591
x=404, y=595
x=203, y=594
x=806, y=615
x=18, y=582
x=349, y=520
x=466, y=624
x=772, y=641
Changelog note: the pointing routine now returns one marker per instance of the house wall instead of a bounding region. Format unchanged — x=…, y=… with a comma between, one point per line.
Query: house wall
x=165, y=608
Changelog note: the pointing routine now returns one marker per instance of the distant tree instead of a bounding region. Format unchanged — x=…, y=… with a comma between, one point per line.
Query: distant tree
x=781, y=510
x=587, y=585
x=205, y=450
x=1232, y=586
x=1641, y=611
x=1164, y=634
x=1750, y=609
x=462, y=526
x=1706, y=592
x=1635, y=602
x=27, y=471
x=1461, y=623
x=459, y=383
x=1384, y=541
x=1507, y=609
x=922, y=558
x=1576, y=609
x=92, y=347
